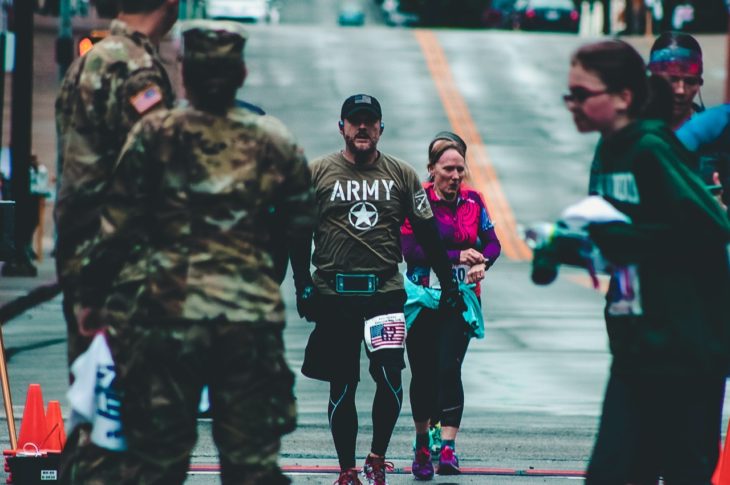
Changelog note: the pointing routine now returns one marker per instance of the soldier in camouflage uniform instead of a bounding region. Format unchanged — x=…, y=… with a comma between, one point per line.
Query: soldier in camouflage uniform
x=187, y=229
x=102, y=95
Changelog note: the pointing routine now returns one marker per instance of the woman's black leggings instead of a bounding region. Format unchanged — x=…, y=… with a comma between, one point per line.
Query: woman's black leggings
x=386, y=409
x=436, y=346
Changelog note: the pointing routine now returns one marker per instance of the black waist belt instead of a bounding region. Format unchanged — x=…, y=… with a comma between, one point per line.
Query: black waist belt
x=360, y=283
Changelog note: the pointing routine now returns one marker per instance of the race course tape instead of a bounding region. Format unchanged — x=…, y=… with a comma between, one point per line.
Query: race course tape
x=299, y=469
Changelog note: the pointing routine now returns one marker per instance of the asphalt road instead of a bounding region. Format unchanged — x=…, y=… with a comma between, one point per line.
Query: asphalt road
x=534, y=385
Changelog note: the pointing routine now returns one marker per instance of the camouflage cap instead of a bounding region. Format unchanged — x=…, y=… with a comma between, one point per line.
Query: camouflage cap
x=210, y=40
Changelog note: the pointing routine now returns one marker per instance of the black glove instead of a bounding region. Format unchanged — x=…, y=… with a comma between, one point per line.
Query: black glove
x=308, y=302
x=452, y=300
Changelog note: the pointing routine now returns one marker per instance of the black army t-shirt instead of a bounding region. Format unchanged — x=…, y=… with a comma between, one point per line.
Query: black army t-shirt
x=361, y=209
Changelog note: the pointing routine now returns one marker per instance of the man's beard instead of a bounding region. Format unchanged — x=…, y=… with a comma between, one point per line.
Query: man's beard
x=361, y=155
x=681, y=105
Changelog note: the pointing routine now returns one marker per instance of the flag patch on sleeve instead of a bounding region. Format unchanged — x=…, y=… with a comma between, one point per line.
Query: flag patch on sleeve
x=146, y=99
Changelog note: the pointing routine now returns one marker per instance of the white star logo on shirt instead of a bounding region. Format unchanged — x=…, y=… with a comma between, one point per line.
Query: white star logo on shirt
x=363, y=216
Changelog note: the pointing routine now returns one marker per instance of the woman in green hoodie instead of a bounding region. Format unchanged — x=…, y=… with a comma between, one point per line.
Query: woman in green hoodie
x=668, y=304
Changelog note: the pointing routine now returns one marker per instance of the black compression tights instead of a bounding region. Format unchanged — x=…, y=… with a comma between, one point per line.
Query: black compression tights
x=343, y=414
x=446, y=389
x=437, y=392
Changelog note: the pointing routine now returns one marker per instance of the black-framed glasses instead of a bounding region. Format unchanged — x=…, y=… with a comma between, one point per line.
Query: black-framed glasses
x=580, y=95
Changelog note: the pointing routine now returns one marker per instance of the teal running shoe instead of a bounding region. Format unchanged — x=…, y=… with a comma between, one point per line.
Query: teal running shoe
x=434, y=439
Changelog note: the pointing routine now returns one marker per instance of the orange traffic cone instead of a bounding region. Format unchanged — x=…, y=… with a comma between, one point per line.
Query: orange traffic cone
x=722, y=472
x=56, y=432
x=33, y=426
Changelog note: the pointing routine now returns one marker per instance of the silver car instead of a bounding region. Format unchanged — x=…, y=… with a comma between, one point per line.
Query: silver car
x=240, y=10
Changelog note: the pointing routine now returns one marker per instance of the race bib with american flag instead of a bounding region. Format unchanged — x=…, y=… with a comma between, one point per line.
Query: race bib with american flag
x=385, y=332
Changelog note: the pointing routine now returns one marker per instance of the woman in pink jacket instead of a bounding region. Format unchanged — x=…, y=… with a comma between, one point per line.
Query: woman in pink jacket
x=468, y=234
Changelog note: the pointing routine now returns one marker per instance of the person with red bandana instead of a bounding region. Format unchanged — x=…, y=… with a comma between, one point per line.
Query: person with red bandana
x=472, y=245
x=677, y=57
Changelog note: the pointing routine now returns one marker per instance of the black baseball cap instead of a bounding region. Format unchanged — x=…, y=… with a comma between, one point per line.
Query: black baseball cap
x=360, y=102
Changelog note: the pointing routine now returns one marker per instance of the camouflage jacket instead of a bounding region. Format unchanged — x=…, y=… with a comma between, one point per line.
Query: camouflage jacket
x=102, y=95
x=197, y=207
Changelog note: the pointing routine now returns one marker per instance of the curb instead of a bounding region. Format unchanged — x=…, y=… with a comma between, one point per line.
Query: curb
x=34, y=297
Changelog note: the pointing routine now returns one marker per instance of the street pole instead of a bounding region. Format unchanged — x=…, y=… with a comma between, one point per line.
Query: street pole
x=649, y=28
x=3, y=35
x=64, y=58
x=607, y=17
x=727, y=61
x=64, y=43
x=21, y=125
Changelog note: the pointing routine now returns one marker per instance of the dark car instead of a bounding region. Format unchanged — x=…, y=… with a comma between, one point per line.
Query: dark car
x=553, y=15
x=498, y=14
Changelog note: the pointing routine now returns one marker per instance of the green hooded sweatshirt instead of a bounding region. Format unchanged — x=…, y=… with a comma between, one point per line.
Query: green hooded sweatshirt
x=677, y=244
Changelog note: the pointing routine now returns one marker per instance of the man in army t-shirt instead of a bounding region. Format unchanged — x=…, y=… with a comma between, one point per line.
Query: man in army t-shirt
x=363, y=196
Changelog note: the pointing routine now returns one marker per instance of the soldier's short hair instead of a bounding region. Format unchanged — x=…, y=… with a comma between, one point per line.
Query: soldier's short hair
x=139, y=6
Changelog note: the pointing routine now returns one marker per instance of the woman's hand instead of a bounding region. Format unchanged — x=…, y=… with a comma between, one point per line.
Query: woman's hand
x=471, y=257
x=476, y=273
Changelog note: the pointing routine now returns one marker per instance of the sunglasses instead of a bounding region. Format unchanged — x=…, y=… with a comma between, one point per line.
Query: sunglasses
x=580, y=95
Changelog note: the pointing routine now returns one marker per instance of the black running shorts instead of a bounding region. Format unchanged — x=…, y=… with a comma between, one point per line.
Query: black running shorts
x=333, y=349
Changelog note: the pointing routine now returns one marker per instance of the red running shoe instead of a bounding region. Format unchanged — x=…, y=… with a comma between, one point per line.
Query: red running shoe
x=448, y=462
x=422, y=467
x=374, y=470
x=348, y=477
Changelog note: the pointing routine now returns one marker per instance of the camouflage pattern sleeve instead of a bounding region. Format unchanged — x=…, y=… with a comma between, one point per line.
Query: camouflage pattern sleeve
x=295, y=205
x=142, y=93
x=121, y=83
x=103, y=94
x=133, y=179
x=122, y=232
x=107, y=95
x=298, y=199
x=302, y=216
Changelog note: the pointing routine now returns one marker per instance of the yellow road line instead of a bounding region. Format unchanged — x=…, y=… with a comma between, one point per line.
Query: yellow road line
x=483, y=176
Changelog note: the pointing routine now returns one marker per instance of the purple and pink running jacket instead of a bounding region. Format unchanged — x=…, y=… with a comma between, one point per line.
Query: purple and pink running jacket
x=462, y=225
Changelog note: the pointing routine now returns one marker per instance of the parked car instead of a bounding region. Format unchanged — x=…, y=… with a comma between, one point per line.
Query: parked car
x=351, y=14
x=240, y=10
x=498, y=15
x=554, y=15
